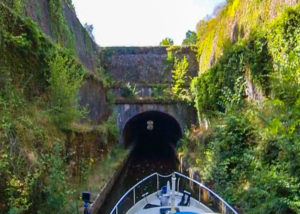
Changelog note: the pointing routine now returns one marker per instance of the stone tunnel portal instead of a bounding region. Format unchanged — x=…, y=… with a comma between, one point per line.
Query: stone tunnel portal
x=152, y=133
x=153, y=136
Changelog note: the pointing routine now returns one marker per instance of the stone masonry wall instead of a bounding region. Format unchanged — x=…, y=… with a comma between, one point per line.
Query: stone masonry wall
x=144, y=65
x=85, y=46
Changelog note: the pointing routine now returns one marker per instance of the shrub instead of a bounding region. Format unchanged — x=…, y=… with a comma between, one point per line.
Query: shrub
x=65, y=79
x=180, y=80
x=129, y=91
x=58, y=189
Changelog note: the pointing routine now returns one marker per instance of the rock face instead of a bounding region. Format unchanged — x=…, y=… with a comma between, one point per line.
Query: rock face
x=233, y=23
x=278, y=3
x=143, y=65
x=93, y=96
x=38, y=11
x=252, y=91
x=86, y=48
x=84, y=45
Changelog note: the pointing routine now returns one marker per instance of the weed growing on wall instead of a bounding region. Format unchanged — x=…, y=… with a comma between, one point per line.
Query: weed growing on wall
x=129, y=91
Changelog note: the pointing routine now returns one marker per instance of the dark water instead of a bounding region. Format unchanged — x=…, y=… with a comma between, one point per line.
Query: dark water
x=140, y=164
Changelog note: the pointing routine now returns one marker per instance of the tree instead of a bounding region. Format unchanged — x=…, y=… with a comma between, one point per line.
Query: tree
x=190, y=38
x=166, y=42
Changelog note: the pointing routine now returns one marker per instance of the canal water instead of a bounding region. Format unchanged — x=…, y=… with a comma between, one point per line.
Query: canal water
x=140, y=164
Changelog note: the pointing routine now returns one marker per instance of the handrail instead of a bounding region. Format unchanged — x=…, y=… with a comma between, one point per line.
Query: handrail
x=166, y=176
x=132, y=188
x=212, y=192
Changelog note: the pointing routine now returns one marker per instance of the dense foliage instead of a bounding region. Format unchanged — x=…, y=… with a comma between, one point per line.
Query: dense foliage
x=249, y=58
x=64, y=82
x=180, y=79
x=251, y=152
x=42, y=162
x=235, y=21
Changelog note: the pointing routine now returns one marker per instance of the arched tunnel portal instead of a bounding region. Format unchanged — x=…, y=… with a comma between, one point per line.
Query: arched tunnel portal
x=152, y=133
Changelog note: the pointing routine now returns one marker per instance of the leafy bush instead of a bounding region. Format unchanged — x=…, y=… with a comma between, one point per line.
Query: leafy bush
x=65, y=80
x=39, y=82
x=180, y=80
x=253, y=156
x=160, y=92
x=169, y=62
x=58, y=188
x=247, y=58
x=129, y=91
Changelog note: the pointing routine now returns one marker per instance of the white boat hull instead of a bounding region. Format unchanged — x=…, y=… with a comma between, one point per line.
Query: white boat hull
x=194, y=206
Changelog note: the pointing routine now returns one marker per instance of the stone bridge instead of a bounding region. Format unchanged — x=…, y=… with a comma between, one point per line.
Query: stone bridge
x=145, y=71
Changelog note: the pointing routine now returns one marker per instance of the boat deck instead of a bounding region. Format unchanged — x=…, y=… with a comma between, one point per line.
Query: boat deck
x=153, y=202
x=137, y=201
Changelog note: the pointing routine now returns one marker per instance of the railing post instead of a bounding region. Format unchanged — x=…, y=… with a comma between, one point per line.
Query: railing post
x=178, y=180
x=157, y=182
x=224, y=208
x=134, y=196
x=205, y=194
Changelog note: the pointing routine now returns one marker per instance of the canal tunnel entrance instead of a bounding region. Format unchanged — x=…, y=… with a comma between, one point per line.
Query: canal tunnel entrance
x=152, y=134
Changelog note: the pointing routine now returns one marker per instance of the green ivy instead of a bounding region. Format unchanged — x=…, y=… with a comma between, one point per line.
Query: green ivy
x=180, y=79
x=37, y=78
x=252, y=157
x=59, y=27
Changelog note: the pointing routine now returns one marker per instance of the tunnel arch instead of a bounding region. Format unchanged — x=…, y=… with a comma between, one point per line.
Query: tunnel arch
x=164, y=136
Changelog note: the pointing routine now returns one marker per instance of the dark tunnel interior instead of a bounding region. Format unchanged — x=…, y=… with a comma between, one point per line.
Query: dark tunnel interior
x=152, y=134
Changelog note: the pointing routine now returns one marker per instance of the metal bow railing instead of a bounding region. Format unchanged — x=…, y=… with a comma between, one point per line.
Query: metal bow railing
x=199, y=192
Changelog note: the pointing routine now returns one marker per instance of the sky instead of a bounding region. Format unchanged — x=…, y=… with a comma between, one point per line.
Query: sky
x=142, y=22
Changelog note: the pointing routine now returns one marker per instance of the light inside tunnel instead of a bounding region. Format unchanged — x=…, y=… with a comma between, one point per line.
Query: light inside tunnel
x=150, y=125
x=152, y=133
